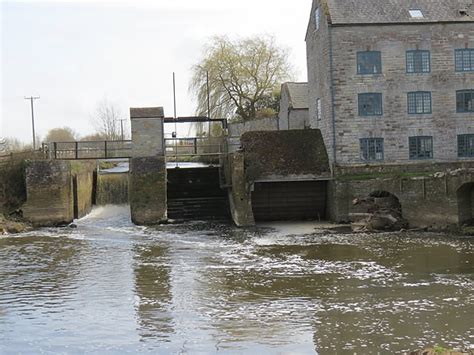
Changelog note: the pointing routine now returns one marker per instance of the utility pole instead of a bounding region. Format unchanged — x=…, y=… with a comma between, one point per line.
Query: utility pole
x=32, y=98
x=121, y=127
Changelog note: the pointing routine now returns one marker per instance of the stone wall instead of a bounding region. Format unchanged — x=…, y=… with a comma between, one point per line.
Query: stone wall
x=147, y=184
x=390, y=169
x=147, y=131
x=12, y=185
x=395, y=125
x=285, y=155
x=236, y=129
x=83, y=193
x=319, y=76
x=50, y=193
x=147, y=190
x=427, y=201
x=293, y=119
x=58, y=191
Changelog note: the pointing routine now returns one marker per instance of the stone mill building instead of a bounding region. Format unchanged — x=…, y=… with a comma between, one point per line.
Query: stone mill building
x=392, y=81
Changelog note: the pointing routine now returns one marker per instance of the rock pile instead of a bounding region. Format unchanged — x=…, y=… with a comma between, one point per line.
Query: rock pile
x=383, y=212
x=8, y=226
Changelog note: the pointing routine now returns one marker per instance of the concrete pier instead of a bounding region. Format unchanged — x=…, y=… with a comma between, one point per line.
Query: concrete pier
x=147, y=189
x=58, y=191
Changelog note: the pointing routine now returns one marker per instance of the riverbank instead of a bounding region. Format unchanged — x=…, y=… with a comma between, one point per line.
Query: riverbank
x=13, y=226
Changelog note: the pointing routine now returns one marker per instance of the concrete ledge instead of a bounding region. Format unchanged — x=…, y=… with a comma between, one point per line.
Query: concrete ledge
x=49, y=193
x=147, y=190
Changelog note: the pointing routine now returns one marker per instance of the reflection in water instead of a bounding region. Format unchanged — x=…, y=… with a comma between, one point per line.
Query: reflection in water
x=153, y=289
x=110, y=286
x=38, y=272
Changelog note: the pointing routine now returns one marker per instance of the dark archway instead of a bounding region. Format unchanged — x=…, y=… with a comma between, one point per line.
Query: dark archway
x=380, y=210
x=385, y=200
x=465, y=196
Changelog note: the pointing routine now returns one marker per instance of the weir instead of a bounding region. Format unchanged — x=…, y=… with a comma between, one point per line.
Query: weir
x=260, y=176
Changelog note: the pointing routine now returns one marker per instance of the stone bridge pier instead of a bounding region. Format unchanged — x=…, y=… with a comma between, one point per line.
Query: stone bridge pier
x=148, y=178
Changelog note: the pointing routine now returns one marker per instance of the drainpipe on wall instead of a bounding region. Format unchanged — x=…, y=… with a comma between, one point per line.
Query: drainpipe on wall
x=289, y=113
x=332, y=100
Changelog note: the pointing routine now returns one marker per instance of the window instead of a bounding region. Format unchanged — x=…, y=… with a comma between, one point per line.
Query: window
x=369, y=63
x=420, y=147
x=371, y=149
x=465, y=101
x=419, y=102
x=466, y=145
x=319, y=113
x=464, y=59
x=370, y=104
x=414, y=13
x=418, y=61
x=317, y=18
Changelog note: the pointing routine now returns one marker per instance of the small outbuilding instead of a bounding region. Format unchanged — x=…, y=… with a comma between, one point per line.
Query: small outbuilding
x=294, y=111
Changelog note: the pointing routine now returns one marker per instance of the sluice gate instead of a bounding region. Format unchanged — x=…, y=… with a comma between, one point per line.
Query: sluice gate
x=195, y=194
x=292, y=200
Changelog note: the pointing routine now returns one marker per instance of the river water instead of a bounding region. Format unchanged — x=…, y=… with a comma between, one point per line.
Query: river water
x=111, y=287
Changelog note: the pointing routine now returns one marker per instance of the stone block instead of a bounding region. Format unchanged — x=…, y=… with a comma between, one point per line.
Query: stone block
x=293, y=154
x=147, y=132
x=147, y=190
x=49, y=193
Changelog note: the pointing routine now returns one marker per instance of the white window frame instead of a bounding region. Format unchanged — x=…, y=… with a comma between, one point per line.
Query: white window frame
x=319, y=110
x=416, y=13
x=317, y=18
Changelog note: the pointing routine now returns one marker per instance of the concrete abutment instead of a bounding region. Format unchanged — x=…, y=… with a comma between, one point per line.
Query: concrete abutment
x=58, y=191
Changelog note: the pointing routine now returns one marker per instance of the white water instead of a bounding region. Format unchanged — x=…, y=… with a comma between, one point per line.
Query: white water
x=293, y=288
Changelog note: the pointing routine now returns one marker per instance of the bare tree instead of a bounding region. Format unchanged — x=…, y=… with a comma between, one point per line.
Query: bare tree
x=244, y=77
x=106, y=120
x=96, y=137
x=12, y=144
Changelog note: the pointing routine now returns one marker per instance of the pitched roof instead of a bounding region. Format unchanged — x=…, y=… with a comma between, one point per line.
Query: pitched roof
x=297, y=95
x=146, y=112
x=346, y=12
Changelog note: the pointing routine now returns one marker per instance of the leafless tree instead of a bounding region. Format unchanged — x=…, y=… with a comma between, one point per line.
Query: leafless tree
x=106, y=120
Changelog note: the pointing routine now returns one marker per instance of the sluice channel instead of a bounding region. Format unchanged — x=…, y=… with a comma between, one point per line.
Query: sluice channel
x=112, y=189
x=195, y=194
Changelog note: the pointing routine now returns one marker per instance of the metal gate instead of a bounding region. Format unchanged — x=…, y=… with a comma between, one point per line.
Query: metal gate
x=295, y=200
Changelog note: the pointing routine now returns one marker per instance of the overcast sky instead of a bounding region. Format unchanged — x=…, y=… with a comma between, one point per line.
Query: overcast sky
x=75, y=53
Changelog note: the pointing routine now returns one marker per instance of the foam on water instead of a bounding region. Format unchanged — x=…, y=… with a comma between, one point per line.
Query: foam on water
x=111, y=286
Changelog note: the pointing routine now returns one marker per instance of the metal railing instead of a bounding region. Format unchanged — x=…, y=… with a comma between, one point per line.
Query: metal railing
x=89, y=150
x=194, y=149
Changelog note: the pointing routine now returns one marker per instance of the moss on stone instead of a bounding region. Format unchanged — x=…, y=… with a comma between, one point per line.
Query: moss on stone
x=12, y=185
x=389, y=175
x=294, y=152
x=147, y=186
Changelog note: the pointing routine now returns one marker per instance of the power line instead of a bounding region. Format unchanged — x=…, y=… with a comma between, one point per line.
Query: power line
x=32, y=98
